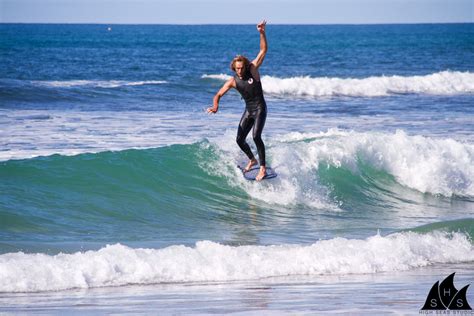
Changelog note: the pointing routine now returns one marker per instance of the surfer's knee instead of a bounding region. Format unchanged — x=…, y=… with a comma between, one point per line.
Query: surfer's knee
x=258, y=139
x=240, y=140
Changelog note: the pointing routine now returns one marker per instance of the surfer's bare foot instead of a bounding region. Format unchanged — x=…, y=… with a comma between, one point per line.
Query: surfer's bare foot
x=251, y=163
x=261, y=174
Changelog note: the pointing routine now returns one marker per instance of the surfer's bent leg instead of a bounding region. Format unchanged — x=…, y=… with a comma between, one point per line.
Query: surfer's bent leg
x=257, y=134
x=245, y=125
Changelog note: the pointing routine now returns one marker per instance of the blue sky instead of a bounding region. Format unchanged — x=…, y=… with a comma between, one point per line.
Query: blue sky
x=240, y=11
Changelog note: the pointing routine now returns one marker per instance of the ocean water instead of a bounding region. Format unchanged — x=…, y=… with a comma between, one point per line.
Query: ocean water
x=120, y=194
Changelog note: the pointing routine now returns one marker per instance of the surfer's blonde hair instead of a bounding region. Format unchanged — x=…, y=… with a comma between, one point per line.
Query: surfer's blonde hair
x=240, y=58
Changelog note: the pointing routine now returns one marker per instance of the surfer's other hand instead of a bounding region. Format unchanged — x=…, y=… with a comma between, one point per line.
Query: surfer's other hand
x=211, y=110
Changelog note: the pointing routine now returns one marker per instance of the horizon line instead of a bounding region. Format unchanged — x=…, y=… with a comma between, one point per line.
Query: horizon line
x=204, y=24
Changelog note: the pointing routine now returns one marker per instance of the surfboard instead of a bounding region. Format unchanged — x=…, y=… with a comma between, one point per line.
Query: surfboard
x=253, y=172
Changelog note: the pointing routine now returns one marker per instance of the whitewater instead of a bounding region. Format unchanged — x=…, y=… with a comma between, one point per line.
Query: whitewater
x=445, y=82
x=117, y=265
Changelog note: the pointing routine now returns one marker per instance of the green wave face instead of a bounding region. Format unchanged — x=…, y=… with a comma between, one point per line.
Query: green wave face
x=184, y=193
x=130, y=193
x=464, y=225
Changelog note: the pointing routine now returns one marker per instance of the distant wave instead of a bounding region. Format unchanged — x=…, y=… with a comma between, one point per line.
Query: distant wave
x=445, y=82
x=218, y=77
x=96, y=83
x=118, y=265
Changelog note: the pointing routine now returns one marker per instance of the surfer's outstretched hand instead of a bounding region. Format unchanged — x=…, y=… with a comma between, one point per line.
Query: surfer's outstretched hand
x=211, y=110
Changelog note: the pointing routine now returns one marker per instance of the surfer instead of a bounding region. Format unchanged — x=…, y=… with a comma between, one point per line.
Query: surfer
x=247, y=81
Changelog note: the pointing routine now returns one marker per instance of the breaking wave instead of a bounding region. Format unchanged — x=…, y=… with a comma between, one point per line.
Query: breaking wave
x=445, y=82
x=117, y=265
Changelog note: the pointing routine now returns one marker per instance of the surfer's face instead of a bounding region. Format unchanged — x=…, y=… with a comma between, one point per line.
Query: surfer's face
x=239, y=68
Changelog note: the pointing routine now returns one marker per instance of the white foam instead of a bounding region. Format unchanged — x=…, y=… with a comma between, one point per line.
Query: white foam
x=437, y=166
x=287, y=189
x=223, y=77
x=97, y=83
x=445, y=82
x=118, y=265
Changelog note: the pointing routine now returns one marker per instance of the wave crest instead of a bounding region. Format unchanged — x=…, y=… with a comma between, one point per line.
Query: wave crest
x=429, y=165
x=118, y=265
x=445, y=82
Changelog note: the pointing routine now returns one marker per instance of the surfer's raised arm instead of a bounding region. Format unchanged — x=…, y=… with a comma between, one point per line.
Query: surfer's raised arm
x=263, y=45
x=226, y=87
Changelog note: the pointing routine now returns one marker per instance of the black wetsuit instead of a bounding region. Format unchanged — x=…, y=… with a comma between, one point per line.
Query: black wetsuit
x=255, y=115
